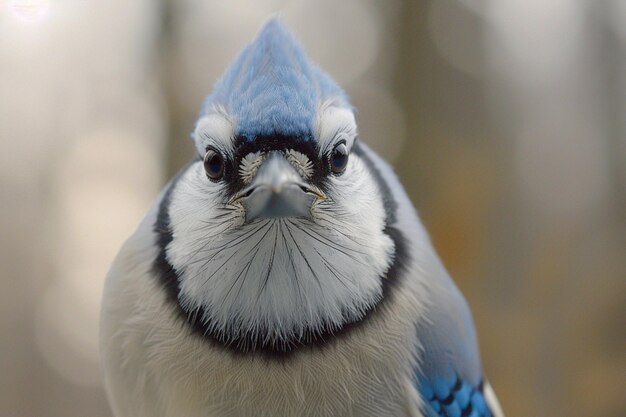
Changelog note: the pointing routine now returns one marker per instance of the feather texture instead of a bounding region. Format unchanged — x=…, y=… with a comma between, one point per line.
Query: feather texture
x=449, y=376
x=272, y=87
x=346, y=311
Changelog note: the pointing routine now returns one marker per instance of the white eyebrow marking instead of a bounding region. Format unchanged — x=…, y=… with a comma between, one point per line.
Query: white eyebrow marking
x=332, y=123
x=300, y=162
x=215, y=129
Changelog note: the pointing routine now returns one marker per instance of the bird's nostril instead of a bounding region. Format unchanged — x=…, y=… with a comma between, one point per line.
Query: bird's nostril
x=249, y=192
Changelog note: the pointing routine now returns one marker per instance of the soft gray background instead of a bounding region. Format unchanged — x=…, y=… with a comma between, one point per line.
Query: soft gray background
x=506, y=120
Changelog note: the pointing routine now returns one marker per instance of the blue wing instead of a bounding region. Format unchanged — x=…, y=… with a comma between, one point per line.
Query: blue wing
x=449, y=374
x=443, y=398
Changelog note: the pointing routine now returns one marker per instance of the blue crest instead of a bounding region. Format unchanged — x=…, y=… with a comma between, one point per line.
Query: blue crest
x=272, y=87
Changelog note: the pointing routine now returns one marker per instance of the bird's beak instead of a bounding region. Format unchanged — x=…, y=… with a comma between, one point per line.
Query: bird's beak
x=277, y=191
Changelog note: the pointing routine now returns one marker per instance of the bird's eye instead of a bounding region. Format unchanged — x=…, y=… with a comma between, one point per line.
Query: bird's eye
x=213, y=164
x=339, y=158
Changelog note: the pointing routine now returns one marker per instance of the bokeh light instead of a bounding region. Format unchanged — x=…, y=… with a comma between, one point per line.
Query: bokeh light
x=29, y=10
x=503, y=118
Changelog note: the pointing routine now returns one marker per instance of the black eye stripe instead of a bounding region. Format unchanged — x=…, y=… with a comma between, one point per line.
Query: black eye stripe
x=322, y=167
x=303, y=144
x=266, y=143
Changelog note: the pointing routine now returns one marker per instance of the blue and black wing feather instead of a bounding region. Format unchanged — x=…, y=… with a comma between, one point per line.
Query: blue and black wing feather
x=453, y=398
x=449, y=374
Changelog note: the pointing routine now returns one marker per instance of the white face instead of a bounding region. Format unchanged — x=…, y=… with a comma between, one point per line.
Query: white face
x=277, y=278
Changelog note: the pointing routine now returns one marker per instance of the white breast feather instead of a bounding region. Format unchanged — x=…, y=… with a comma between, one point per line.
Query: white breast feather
x=285, y=276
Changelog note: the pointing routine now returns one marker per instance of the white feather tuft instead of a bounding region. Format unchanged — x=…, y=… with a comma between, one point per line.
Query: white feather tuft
x=300, y=162
x=249, y=166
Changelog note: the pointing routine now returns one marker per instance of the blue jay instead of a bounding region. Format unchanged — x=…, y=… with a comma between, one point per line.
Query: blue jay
x=284, y=272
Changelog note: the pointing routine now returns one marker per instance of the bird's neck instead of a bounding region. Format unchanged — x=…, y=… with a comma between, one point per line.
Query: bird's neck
x=273, y=284
x=278, y=280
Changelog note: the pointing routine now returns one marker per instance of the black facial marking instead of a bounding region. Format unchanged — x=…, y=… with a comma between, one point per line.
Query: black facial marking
x=266, y=143
x=401, y=257
x=259, y=343
x=161, y=266
x=389, y=202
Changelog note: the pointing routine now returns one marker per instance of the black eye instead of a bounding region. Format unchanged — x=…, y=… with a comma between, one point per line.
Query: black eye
x=213, y=164
x=339, y=158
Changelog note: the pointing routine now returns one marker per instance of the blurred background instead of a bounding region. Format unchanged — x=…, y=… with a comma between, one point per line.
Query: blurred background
x=505, y=119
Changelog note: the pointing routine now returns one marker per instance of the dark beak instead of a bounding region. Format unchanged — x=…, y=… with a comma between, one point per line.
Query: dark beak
x=277, y=191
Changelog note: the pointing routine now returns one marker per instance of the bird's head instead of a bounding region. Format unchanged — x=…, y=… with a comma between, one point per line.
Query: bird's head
x=278, y=230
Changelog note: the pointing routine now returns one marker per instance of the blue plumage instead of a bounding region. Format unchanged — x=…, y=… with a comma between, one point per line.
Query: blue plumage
x=450, y=380
x=310, y=287
x=272, y=87
x=445, y=397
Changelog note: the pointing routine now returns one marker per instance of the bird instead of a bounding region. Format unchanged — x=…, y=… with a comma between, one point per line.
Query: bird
x=284, y=271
